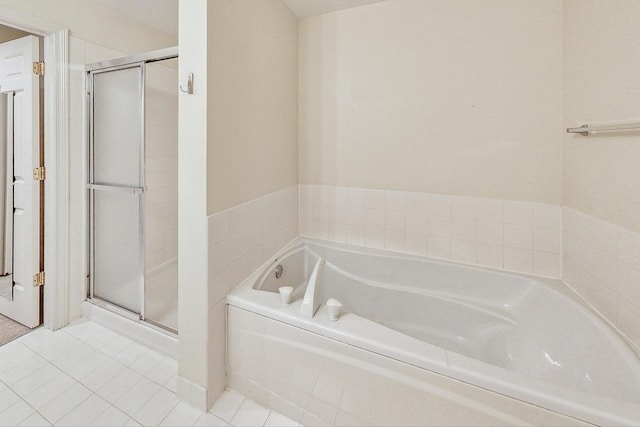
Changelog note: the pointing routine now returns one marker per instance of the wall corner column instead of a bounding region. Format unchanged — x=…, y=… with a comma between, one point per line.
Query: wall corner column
x=192, y=207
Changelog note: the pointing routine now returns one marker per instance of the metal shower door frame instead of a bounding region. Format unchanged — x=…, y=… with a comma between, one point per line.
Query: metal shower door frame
x=92, y=187
x=140, y=61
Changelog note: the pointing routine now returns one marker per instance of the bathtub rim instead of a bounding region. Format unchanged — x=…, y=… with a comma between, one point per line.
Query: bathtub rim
x=588, y=407
x=556, y=285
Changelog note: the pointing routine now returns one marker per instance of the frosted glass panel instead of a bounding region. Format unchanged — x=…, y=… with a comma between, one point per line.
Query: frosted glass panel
x=118, y=264
x=117, y=127
x=161, y=205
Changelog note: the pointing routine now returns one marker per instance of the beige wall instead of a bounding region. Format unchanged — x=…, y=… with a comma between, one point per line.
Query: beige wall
x=457, y=97
x=252, y=105
x=601, y=84
x=92, y=21
x=8, y=33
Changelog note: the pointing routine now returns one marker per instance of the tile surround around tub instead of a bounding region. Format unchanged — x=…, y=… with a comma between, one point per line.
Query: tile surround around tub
x=522, y=237
x=242, y=238
x=601, y=262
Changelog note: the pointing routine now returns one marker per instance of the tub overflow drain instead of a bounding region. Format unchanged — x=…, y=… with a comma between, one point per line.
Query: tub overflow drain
x=279, y=271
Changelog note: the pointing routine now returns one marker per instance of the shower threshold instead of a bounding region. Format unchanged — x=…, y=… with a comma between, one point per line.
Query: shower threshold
x=144, y=332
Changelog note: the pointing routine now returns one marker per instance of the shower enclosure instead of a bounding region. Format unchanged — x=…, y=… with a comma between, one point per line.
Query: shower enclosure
x=133, y=186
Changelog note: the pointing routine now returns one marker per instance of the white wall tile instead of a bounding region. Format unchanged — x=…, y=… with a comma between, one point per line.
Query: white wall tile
x=339, y=197
x=416, y=223
x=338, y=232
x=439, y=204
x=602, y=263
x=254, y=211
x=320, y=229
x=306, y=210
x=545, y=215
x=490, y=255
x=306, y=227
x=394, y=219
x=416, y=244
x=491, y=233
x=627, y=320
x=455, y=225
x=490, y=210
x=603, y=268
x=518, y=236
x=576, y=250
x=356, y=198
x=305, y=193
x=355, y=216
x=576, y=223
x=243, y=237
x=439, y=247
x=603, y=236
x=374, y=237
x=520, y=213
x=628, y=284
x=606, y=302
x=374, y=199
x=464, y=207
x=218, y=256
x=518, y=260
x=320, y=194
x=394, y=240
x=546, y=264
x=416, y=203
x=238, y=219
x=547, y=239
x=629, y=248
x=464, y=229
x=463, y=251
x=339, y=213
x=439, y=226
x=395, y=200
x=355, y=235
x=374, y=218
x=320, y=211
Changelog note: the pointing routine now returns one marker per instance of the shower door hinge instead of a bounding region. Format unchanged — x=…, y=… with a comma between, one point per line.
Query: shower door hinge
x=38, y=68
x=39, y=173
x=38, y=279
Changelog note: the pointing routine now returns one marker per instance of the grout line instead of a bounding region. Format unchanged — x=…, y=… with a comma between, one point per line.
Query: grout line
x=237, y=410
x=110, y=405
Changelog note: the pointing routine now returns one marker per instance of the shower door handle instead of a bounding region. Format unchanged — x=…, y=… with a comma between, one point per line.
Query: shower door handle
x=134, y=190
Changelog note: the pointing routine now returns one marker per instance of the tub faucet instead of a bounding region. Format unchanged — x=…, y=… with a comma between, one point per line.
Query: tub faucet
x=311, y=300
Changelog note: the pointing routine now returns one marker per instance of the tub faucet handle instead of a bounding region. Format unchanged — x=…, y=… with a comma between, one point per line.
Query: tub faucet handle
x=285, y=294
x=334, y=308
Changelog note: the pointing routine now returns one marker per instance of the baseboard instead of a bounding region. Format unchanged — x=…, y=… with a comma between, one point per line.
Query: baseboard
x=193, y=394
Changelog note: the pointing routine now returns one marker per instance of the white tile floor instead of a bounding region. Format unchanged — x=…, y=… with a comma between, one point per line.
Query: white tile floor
x=87, y=375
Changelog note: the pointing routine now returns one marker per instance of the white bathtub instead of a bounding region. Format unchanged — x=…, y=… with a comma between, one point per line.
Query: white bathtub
x=544, y=357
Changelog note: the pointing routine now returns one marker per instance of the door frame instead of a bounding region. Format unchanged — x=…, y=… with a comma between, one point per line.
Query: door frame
x=56, y=161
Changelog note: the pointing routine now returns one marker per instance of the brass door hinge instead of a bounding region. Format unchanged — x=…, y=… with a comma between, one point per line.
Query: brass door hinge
x=39, y=173
x=38, y=68
x=38, y=279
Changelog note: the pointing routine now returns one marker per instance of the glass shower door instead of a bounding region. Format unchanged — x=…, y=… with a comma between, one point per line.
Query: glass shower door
x=161, y=193
x=116, y=185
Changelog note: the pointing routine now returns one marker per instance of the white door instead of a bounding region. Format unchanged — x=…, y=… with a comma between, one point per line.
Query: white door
x=18, y=81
